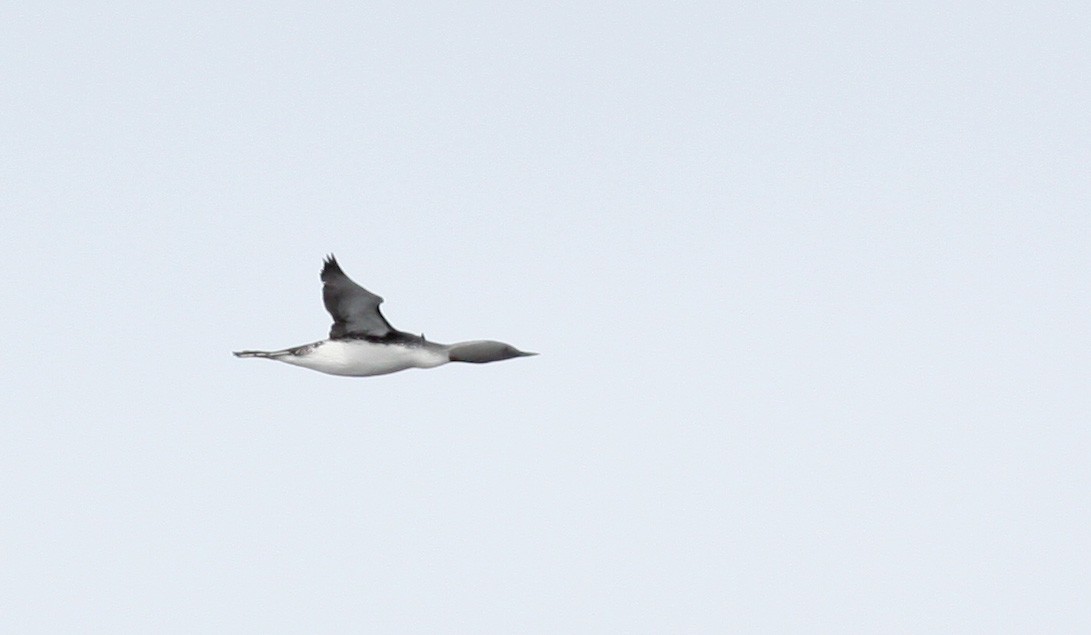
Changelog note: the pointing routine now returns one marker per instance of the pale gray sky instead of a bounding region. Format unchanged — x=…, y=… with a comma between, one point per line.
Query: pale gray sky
x=809, y=280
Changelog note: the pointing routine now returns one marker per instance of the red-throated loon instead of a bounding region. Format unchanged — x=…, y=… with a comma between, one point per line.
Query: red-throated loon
x=362, y=342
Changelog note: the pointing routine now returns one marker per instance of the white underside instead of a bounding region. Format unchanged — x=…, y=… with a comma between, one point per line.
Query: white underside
x=360, y=358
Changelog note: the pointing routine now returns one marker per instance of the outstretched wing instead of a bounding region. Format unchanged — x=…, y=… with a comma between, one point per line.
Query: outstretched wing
x=355, y=310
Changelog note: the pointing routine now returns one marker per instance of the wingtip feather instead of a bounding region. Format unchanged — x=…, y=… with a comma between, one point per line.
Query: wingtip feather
x=330, y=266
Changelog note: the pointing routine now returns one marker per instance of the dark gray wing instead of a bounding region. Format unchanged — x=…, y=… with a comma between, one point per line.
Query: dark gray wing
x=355, y=310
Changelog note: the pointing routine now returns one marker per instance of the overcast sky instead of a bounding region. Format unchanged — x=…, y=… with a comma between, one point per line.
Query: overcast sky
x=810, y=284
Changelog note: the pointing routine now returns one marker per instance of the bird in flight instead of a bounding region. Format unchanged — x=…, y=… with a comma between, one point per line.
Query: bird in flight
x=362, y=343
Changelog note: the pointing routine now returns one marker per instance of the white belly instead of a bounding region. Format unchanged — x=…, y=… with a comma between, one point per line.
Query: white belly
x=360, y=358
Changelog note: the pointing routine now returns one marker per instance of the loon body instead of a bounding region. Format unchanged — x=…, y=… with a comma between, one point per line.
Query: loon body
x=362, y=343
